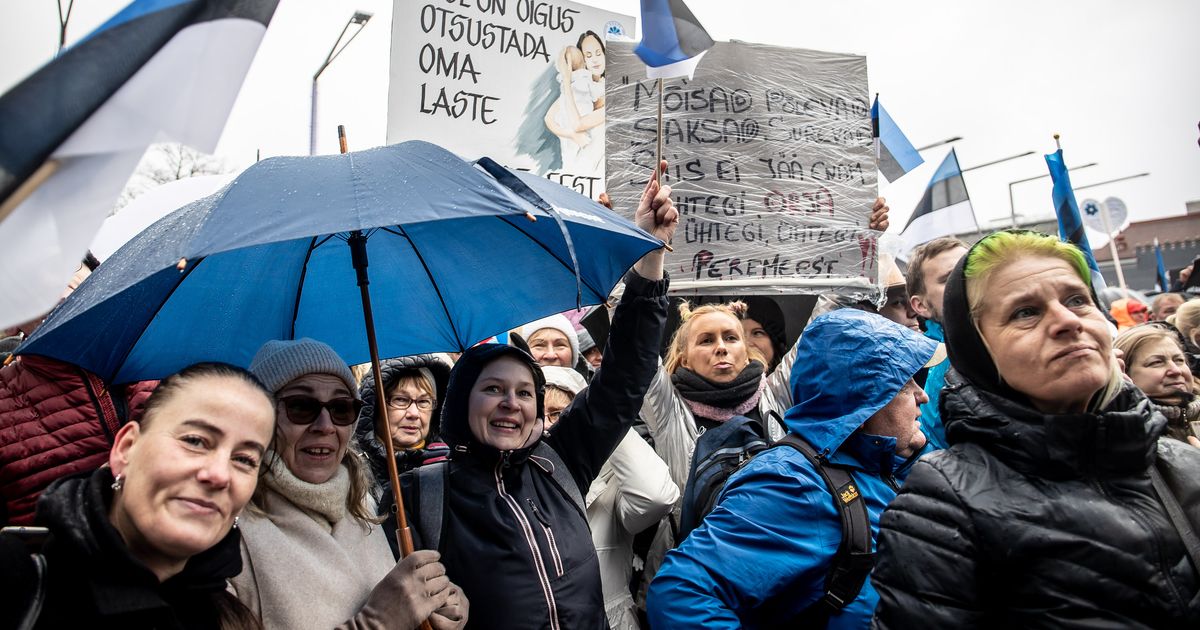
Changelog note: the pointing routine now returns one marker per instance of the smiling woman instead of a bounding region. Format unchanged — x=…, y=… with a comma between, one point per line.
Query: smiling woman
x=314, y=553
x=1054, y=462
x=148, y=540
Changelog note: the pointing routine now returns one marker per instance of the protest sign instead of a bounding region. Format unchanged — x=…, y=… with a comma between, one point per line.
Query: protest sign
x=520, y=81
x=772, y=166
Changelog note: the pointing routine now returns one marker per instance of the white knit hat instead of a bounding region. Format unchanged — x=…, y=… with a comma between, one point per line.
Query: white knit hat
x=280, y=362
x=557, y=322
x=564, y=378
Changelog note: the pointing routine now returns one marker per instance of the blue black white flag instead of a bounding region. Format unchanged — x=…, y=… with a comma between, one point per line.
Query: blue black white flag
x=1164, y=280
x=73, y=132
x=896, y=154
x=1070, y=223
x=673, y=41
x=944, y=209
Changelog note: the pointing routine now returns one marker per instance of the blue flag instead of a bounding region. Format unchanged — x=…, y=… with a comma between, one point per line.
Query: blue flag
x=673, y=41
x=1164, y=280
x=1070, y=224
x=896, y=154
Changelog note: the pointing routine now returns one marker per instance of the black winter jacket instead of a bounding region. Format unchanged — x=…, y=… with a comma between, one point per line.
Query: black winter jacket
x=92, y=579
x=1036, y=521
x=512, y=539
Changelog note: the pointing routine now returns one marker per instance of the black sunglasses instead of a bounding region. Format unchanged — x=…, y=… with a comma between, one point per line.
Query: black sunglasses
x=301, y=409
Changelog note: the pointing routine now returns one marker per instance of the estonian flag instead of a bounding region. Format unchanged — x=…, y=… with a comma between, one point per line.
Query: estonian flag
x=1164, y=280
x=73, y=132
x=896, y=154
x=673, y=41
x=944, y=209
x=1070, y=224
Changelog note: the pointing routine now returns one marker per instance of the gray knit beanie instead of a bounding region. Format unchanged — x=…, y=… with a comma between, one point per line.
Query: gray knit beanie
x=278, y=363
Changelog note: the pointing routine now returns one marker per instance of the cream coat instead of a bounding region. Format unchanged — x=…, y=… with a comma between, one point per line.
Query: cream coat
x=632, y=492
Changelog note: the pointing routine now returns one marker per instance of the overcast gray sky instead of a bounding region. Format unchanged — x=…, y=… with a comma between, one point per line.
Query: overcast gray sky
x=1118, y=80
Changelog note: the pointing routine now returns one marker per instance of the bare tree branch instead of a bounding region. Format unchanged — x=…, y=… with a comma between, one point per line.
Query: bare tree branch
x=167, y=162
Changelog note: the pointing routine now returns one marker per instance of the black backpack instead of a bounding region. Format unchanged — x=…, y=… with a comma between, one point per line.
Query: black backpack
x=722, y=451
x=430, y=492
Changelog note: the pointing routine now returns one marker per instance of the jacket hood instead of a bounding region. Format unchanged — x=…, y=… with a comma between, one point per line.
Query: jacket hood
x=455, y=430
x=1120, y=440
x=849, y=364
x=392, y=370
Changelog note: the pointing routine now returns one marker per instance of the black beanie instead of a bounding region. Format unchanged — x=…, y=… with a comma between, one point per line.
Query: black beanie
x=455, y=429
x=766, y=312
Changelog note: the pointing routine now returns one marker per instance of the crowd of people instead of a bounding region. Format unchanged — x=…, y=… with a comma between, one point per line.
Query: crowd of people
x=987, y=446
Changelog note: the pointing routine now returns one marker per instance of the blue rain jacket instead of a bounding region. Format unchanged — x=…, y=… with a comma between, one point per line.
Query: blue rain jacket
x=762, y=555
x=931, y=418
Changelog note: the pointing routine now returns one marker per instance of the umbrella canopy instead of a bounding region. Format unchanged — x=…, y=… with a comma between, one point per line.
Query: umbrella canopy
x=457, y=252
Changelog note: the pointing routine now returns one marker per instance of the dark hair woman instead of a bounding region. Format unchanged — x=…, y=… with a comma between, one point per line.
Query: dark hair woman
x=1057, y=503
x=512, y=529
x=149, y=540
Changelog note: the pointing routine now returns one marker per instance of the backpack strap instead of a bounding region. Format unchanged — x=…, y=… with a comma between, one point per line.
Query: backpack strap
x=1191, y=543
x=431, y=498
x=560, y=474
x=854, y=558
x=33, y=537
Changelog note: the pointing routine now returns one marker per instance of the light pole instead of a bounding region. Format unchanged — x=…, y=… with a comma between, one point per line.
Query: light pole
x=1011, y=157
x=1110, y=181
x=359, y=19
x=940, y=143
x=1012, y=208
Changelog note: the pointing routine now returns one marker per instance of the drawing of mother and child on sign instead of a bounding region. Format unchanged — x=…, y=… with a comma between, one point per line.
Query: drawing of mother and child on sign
x=563, y=127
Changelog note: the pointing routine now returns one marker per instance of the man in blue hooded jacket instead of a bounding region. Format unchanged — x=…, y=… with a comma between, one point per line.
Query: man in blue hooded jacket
x=760, y=558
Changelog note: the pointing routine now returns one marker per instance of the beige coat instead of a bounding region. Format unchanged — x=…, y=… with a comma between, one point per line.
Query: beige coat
x=632, y=492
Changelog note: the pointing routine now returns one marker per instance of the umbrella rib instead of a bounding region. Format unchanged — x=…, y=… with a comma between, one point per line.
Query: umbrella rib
x=445, y=309
x=142, y=333
x=312, y=245
x=570, y=268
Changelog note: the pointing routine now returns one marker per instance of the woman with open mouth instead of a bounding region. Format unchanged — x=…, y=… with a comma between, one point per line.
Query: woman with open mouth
x=507, y=510
x=314, y=552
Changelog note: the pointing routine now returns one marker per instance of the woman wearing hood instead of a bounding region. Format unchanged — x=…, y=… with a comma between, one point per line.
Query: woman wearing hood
x=511, y=531
x=413, y=390
x=1057, y=504
x=761, y=558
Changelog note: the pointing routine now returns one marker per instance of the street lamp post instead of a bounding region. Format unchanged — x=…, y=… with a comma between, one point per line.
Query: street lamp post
x=940, y=143
x=359, y=19
x=1012, y=208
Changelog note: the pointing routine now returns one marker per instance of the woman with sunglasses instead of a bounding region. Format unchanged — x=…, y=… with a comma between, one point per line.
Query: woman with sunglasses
x=413, y=389
x=314, y=555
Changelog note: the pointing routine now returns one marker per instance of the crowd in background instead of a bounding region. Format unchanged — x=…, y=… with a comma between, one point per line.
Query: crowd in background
x=988, y=445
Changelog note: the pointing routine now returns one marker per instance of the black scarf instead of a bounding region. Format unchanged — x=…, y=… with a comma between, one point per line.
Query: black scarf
x=696, y=388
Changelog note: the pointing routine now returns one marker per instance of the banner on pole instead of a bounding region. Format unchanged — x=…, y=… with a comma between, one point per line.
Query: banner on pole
x=772, y=167
x=520, y=81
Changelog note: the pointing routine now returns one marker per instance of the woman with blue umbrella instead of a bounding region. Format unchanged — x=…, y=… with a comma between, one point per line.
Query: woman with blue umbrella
x=506, y=512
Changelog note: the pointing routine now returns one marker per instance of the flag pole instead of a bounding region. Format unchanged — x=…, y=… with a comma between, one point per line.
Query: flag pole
x=659, y=146
x=28, y=187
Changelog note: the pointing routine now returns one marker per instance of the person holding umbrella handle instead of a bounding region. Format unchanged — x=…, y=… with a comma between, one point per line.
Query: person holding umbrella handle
x=314, y=555
x=506, y=511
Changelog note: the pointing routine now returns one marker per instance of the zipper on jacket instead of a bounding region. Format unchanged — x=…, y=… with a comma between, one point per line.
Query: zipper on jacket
x=527, y=529
x=558, y=565
x=1180, y=602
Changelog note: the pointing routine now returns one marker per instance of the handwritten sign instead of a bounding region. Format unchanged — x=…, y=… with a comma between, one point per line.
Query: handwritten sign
x=520, y=81
x=772, y=166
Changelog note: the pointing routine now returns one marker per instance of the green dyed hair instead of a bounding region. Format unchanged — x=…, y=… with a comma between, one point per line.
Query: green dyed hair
x=999, y=248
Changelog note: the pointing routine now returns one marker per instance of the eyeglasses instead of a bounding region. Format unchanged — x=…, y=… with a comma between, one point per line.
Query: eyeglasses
x=303, y=410
x=400, y=403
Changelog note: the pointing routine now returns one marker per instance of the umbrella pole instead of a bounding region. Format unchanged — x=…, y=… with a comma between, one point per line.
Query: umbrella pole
x=358, y=255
